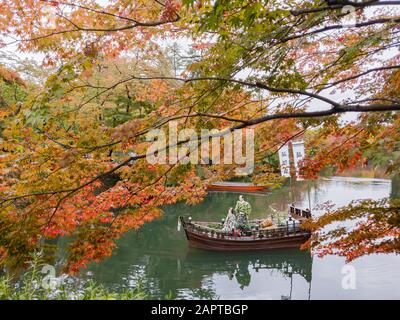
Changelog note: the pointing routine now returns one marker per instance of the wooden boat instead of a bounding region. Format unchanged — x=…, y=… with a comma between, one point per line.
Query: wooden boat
x=287, y=235
x=235, y=187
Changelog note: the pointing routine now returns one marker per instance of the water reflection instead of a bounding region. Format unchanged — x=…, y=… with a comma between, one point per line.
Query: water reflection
x=158, y=255
x=239, y=268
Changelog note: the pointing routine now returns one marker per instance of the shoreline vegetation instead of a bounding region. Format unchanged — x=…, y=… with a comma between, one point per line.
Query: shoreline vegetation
x=37, y=283
x=360, y=172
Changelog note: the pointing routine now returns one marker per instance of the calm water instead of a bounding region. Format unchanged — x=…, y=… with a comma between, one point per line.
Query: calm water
x=158, y=255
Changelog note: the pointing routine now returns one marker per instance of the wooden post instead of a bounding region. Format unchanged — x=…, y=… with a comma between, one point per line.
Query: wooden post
x=291, y=162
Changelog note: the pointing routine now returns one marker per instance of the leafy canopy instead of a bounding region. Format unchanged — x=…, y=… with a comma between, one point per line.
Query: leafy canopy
x=73, y=148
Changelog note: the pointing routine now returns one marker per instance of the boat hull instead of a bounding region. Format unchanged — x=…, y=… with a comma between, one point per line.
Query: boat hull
x=201, y=241
x=289, y=235
x=237, y=188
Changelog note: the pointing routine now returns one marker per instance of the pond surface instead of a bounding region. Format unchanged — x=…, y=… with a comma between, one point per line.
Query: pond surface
x=158, y=255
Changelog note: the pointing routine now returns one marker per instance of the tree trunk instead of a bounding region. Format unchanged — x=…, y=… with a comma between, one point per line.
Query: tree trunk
x=395, y=191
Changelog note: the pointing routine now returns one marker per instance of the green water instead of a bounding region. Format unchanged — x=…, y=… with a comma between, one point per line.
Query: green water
x=158, y=255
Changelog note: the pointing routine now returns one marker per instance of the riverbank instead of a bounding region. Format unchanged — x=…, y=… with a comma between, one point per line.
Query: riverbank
x=39, y=282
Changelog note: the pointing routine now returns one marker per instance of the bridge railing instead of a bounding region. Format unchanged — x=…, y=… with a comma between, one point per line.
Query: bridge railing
x=300, y=212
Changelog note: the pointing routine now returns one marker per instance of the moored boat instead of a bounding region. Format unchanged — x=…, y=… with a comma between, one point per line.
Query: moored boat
x=281, y=235
x=235, y=187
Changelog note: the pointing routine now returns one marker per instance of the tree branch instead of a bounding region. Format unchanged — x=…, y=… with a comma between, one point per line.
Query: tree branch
x=372, y=3
x=249, y=123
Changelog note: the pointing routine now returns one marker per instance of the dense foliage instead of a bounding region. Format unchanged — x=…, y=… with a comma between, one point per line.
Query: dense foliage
x=73, y=146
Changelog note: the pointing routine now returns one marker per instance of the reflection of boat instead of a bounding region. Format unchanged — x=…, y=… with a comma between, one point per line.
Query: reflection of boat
x=235, y=187
x=286, y=261
x=287, y=235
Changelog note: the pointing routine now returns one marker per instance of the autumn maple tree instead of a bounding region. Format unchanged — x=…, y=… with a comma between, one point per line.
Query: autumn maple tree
x=73, y=145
